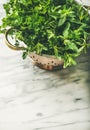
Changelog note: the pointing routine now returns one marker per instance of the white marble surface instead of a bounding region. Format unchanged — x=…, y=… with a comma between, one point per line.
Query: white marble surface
x=35, y=99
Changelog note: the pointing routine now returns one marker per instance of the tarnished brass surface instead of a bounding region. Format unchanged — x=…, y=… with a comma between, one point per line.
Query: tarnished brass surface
x=9, y=44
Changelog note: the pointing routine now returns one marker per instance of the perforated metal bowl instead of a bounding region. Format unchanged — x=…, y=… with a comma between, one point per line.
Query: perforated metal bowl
x=46, y=62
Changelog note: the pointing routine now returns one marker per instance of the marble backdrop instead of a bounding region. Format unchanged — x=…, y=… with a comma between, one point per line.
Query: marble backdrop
x=35, y=99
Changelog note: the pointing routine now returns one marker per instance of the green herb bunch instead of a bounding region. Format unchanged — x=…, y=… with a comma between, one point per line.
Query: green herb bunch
x=54, y=27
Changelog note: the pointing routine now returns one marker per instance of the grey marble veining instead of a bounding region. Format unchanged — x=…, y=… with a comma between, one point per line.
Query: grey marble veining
x=35, y=99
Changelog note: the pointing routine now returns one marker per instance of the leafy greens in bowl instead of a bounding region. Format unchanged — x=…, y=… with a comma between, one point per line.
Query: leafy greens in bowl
x=52, y=27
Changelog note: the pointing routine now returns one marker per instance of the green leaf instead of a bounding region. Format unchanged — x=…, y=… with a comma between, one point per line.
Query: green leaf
x=50, y=34
x=73, y=47
x=56, y=51
x=69, y=60
x=39, y=48
x=24, y=55
x=66, y=30
x=61, y=21
x=80, y=49
x=17, y=43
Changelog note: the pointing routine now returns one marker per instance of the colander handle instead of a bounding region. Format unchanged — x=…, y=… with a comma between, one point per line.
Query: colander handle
x=8, y=43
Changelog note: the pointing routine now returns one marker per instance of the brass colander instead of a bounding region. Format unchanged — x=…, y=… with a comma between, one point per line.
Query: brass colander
x=46, y=62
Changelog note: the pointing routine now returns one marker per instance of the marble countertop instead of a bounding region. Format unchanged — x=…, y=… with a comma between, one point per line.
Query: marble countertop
x=35, y=99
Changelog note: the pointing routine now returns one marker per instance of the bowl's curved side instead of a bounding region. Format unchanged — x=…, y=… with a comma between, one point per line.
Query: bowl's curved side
x=9, y=44
x=47, y=62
